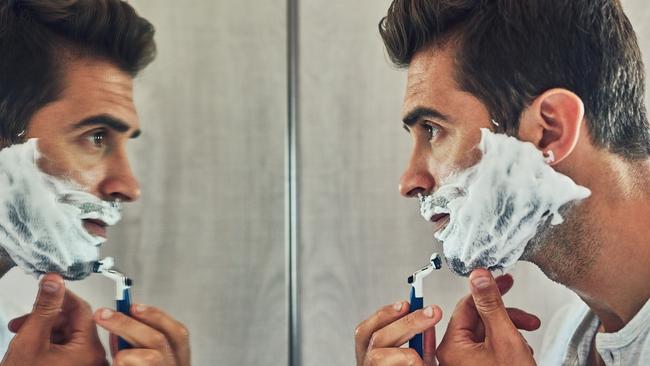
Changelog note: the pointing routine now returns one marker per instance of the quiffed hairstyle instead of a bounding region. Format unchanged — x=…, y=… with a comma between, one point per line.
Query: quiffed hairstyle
x=38, y=36
x=511, y=51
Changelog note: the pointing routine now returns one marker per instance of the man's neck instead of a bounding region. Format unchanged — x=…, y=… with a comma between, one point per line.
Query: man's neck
x=615, y=285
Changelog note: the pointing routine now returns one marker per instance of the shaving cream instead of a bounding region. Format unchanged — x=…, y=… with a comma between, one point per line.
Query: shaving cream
x=496, y=206
x=41, y=225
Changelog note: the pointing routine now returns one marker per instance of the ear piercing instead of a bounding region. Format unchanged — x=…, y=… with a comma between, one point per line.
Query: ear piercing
x=549, y=157
x=494, y=122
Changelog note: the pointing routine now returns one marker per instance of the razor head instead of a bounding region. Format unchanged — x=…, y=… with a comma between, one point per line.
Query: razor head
x=103, y=265
x=411, y=279
x=436, y=261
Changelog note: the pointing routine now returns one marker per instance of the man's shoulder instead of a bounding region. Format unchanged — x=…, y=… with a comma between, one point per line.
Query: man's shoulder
x=560, y=332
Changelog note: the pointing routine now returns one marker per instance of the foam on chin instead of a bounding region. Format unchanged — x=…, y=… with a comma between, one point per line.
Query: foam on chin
x=41, y=225
x=496, y=206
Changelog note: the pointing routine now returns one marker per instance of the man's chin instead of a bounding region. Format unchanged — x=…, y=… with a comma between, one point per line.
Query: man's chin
x=460, y=268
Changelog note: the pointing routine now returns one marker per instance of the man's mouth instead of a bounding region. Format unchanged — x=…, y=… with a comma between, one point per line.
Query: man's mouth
x=95, y=227
x=439, y=221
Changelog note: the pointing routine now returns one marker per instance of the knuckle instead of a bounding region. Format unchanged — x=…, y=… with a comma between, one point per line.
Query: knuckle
x=183, y=333
x=360, y=332
x=153, y=358
x=159, y=340
x=373, y=357
x=489, y=304
x=47, y=308
x=410, y=356
x=374, y=339
x=378, y=316
x=357, y=331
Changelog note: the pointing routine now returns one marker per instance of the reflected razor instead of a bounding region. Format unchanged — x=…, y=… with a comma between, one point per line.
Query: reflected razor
x=123, y=291
x=417, y=295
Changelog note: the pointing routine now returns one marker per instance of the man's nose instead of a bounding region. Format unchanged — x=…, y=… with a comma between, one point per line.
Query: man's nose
x=417, y=178
x=120, y=183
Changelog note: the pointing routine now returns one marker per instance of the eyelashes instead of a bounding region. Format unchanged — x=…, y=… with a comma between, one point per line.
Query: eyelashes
x=432, y=130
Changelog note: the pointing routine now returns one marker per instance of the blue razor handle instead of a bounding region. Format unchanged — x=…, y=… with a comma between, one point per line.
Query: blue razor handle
x=124, y=306
x=416, y=304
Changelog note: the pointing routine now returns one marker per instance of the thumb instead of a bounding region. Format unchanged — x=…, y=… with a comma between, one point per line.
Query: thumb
x=489, y=304
x=47, y=307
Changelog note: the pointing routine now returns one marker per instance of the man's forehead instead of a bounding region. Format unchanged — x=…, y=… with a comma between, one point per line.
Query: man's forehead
x=430, y=77
x=99, y=88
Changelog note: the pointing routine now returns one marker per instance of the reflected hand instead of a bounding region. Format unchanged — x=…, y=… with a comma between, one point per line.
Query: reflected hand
x=482, y=331
x=59, y=330
x=378, y=338
x=157, y=338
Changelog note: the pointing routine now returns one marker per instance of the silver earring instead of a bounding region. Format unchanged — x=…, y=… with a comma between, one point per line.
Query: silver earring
x=549, y=157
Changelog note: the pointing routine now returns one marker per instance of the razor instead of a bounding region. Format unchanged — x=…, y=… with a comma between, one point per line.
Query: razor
x=417, y=295
x=123, y=291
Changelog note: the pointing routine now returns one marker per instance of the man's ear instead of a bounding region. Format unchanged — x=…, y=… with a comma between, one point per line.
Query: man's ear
x=552, y=123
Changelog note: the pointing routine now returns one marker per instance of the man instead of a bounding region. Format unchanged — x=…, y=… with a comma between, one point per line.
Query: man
x=566, y=76
x=66, y=78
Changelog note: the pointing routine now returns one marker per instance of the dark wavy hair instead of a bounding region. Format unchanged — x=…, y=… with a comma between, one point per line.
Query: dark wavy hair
x=511, y=51
x=38, y=36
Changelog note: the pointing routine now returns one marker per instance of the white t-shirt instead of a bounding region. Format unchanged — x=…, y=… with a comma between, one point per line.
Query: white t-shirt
x=8, y=311
x=568, y=341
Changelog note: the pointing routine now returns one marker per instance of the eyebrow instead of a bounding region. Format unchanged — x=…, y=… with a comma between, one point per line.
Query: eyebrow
x=421, y=112
x=108, y=121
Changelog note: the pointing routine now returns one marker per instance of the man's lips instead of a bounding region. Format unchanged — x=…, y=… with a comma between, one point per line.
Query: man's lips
x=439, y=221
x=95, y=227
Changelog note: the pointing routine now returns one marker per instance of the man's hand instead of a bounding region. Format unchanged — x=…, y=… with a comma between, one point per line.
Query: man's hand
x=59, y=330
x=379, y=337
x=482, y=331
x=157, y=338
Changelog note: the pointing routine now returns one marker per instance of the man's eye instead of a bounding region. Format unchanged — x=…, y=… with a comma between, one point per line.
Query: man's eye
x=432, y=130
x=98, y=139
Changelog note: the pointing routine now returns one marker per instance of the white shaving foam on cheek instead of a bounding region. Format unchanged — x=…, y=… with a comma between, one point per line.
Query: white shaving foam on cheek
x=496, y=206
x=41, y=225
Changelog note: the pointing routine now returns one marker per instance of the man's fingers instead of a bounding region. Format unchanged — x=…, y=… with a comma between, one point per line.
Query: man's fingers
x=139, y=357
x=523, y=320
x=16, y=323
x=47, y=307
x=505, y=283
x=139, y=335
x=392, y=357
x=79, y=315
x=177, y=334
x=429, y=347
x=488, y=303
x=400, y=331
x=378, y=320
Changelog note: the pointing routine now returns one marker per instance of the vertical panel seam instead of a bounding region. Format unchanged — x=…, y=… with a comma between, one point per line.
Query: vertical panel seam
x=291, y=187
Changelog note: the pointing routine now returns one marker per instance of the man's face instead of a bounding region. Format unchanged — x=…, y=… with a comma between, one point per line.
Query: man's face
x=83, y=135
x=445, y=124
x=443, y=121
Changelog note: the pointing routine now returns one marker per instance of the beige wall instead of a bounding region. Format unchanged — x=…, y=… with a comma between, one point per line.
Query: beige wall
x=206, y=241
x=359, y=239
